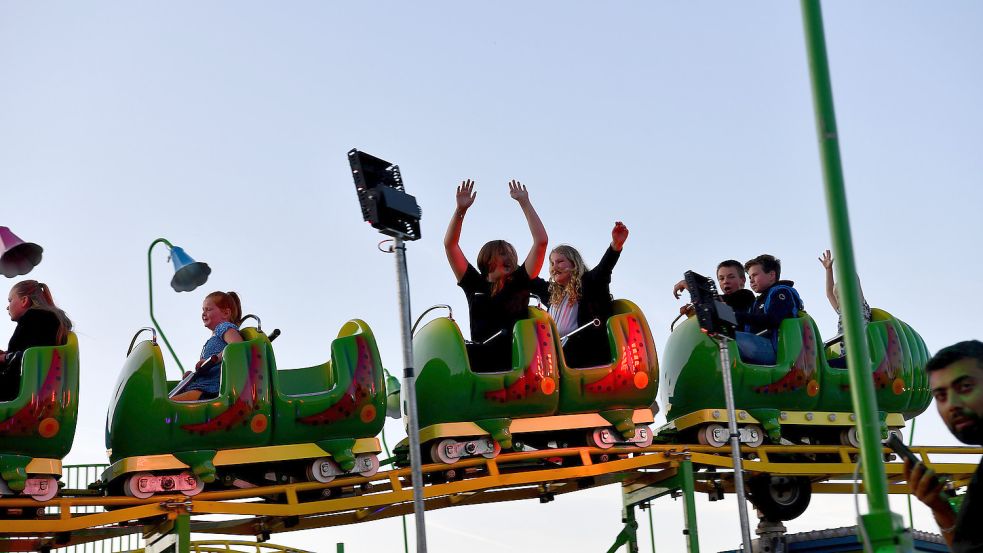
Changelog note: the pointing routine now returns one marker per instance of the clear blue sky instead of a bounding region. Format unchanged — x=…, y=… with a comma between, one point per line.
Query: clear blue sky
x=223, y=126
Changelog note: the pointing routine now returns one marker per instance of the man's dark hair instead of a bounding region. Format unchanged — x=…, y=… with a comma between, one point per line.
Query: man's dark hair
x=769, y=263
x=970, y=349
x=732, y=263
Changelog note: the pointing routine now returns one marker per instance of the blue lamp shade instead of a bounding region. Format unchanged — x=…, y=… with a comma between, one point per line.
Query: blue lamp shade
x=188, y=273
x=18, y=257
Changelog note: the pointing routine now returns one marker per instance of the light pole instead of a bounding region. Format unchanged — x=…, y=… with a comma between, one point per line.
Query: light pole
x=386, y=205
x=188, y=275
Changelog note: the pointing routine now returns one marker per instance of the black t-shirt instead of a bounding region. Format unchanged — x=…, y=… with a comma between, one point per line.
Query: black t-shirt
x=968, y=536
x=489, y=313
x=739, y=300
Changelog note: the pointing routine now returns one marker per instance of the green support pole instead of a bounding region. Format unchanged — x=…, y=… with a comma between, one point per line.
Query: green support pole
x=628, y=535
x=883, y=529
x=182, y=529
x=150, y=287
x=689, y=501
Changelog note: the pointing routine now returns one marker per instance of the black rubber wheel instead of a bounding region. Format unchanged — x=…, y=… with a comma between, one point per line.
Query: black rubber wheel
x=780, y=497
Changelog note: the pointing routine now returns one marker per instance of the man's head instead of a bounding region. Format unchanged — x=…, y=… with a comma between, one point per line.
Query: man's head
x=955, y=376
x=763, y=271
x=730, y=276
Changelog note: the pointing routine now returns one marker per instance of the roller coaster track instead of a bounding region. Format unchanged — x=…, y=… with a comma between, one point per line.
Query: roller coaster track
x=542, y=475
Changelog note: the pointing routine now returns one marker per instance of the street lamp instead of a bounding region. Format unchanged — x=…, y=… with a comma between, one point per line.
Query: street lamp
x=18, y=257
x=188, y=275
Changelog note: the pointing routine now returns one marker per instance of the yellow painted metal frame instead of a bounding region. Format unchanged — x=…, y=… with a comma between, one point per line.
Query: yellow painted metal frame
x=226, y=546
x=811, y=418
x=532, y=424
x=44, y=466
x=508, y=477
x=230, y=457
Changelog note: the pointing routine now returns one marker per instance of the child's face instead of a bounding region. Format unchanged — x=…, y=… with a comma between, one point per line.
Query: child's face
x=212, y=315
x=17, y=305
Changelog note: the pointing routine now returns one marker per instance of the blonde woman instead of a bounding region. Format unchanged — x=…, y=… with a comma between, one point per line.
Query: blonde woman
x=577, y=295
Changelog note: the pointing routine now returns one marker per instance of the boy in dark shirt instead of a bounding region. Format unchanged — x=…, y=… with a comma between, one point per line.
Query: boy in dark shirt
x=777, y=300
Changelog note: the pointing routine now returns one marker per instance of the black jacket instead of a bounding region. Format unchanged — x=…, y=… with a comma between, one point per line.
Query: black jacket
x=589, y=347
x=36, y=327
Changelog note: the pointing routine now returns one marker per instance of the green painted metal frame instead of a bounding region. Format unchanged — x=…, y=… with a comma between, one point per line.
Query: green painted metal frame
x=883, y=529
x=682, y=481
x=150, y=289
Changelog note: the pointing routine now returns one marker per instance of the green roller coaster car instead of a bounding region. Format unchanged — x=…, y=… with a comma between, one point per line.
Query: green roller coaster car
x=801, y=396
x=538, y=393
x=328, y=414
x=37, y=427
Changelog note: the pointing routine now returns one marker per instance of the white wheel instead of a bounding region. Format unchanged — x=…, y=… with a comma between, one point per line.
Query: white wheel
x=600, y=438
x=373, y=465
x=50, y=486
x=849, y=436
x=757, y=435
x=496, y=449
x=714, y=435
x=647, y=437
x=199, y=486
x=323, y=470
x=442, y=451
x=895, y=432
x=131, y=486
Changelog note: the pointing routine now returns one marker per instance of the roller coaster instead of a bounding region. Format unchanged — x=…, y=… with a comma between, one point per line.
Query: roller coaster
x=288, y=449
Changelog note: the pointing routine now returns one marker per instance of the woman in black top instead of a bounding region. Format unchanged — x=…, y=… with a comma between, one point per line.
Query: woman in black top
x=39, y=323
x=576, y=296
x=498, y=289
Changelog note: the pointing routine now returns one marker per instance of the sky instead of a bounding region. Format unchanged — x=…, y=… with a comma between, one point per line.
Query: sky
x=224, y=126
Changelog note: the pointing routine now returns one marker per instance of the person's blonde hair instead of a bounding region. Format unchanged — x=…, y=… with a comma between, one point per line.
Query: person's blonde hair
x=40, y=296
x=572, y=289
x=230, y=301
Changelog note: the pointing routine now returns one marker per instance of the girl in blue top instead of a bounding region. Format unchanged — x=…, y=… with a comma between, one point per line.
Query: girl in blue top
x=221, y=312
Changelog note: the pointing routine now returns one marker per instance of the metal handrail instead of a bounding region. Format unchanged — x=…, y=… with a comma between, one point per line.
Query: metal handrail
x=153, y=338
x=450, y=315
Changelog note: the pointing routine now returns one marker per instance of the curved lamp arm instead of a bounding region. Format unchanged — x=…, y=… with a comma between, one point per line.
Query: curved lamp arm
x=150, y=287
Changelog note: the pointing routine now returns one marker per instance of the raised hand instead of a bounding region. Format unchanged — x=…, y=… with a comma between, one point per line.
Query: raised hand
x=827, y=260
x=678, y=289
x=518, y=191
x=618, y=235
x=465, y=195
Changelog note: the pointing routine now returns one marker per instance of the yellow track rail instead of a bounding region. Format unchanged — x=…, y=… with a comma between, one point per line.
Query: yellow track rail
x=509, y=477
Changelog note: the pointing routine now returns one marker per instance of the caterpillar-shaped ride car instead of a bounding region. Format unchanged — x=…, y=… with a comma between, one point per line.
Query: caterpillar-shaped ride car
x=539, y=401
x=267, y=425
x=799, y=399
x=37, y=426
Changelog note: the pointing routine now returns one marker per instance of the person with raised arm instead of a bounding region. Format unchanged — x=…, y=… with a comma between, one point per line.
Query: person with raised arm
x=576, y=295
x=498, y=289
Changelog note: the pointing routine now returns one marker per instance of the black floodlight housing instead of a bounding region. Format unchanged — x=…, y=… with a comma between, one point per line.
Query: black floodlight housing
x=714, y=316
x=385, y=203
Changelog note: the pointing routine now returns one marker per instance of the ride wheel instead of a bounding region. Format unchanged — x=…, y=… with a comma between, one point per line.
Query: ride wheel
x=600, y=438
x=443, y=451
x=132, y=485
x=780, y=498
x=50, y=486
x=713, y=435
x=323, y=470
x=199, y=487
x=756, y=435
x=497, y=448
x=370, y=461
